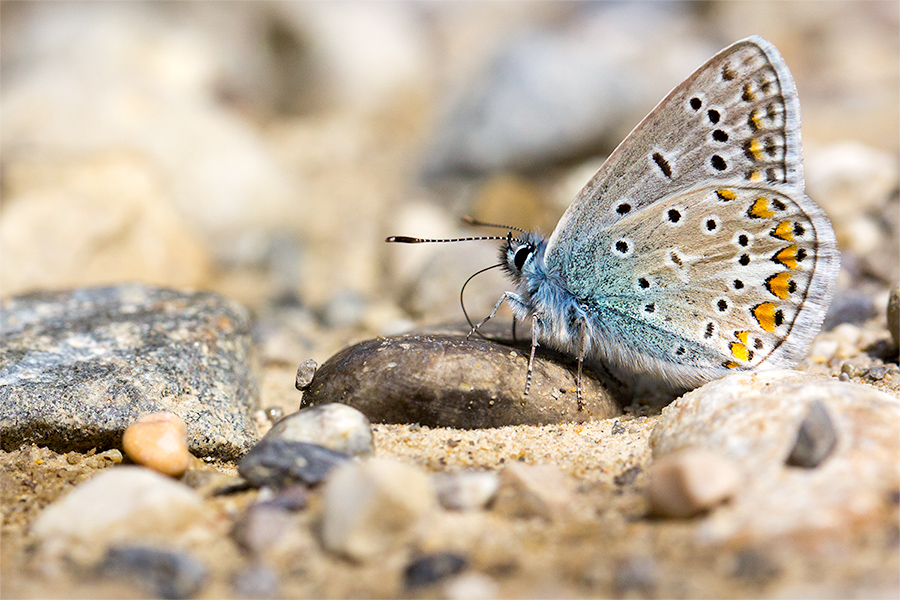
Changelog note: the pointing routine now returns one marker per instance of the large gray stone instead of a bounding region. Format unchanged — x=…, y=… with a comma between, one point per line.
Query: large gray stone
x=76, y=367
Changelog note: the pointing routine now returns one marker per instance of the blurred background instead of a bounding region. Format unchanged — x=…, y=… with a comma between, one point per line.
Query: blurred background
x=264, y=150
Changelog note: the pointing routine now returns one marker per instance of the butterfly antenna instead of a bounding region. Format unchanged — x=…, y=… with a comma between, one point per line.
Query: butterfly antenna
x=403, y=239
x=463, y=290
x=476, y=223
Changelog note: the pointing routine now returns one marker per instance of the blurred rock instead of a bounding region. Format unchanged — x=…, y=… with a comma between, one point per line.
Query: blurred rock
x=816, y=438
x=162, y=573
x=555, y=95
x=374, y=506
x=97, y=219
x=122, y=504
x=466, y=490
x=858, y=187
x=533, y=491
x=146, y=86
x=432, y=568
x=686, y=483
x=77, y=367
x=448, y=381
x=893, y=314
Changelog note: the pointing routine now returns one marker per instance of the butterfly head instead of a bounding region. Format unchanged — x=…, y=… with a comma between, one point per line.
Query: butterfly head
x=522, y=255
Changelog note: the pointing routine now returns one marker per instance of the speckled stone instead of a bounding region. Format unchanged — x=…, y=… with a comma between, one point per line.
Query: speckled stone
x=76, y=367
x=753, y=419
x=449, y=381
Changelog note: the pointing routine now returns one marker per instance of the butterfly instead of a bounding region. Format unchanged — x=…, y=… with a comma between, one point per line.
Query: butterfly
x=693, y=252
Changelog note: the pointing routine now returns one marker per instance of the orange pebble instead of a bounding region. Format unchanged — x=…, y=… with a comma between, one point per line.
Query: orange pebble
x=158, y=441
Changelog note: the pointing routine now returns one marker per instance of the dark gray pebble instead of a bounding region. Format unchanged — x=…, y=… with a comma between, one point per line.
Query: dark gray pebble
x=449, y=381
x=816, y=438
x=77, y=367
x=163, y=573
x=280, y=463
x=433, y=568
x=628, y=476
x=752, y=565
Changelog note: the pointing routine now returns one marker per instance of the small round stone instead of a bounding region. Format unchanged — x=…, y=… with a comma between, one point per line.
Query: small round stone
x=158, y=441
x=305, y=373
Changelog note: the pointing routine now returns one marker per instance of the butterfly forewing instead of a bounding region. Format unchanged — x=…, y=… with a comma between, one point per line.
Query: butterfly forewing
x=735, y=119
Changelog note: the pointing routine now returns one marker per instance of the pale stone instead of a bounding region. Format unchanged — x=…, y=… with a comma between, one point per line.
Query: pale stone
x=689, y=482
x=533, y=491
x=120, y=504
x=374, y=506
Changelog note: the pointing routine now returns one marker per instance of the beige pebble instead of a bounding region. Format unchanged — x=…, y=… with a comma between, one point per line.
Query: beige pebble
x=689, y=482
x=158, y=441
x=374, y=506
x=533, y=491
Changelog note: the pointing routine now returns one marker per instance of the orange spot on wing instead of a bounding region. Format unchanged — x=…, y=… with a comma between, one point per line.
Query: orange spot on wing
x=765, y=315
x=787, y=257
x=781, y=284
x=784, y=230
x=739, y=351
x=760, y=209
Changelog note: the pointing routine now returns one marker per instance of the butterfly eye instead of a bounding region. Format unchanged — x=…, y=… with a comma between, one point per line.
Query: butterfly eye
x=522, y=255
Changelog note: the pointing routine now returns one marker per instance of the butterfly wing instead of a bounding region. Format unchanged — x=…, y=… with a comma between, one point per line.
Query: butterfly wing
x=717, y=159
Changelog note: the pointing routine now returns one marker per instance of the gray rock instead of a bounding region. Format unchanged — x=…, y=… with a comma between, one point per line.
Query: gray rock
x=76, y=367
x=432, y=568
x=166, y=574
x=280, y=463
x=448, y=381
x=336, y=426
x=816, y=438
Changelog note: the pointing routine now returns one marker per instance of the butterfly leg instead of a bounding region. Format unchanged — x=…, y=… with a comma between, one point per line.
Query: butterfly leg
x=534, y=344
x=579, y=394
x=510, y=297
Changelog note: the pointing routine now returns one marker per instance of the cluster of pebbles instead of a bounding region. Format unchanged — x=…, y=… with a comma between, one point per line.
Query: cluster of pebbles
x=378, y=489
